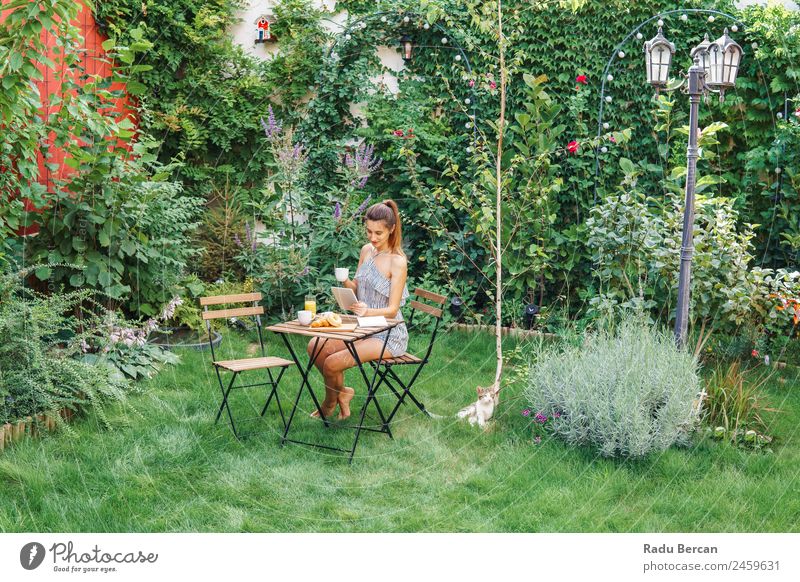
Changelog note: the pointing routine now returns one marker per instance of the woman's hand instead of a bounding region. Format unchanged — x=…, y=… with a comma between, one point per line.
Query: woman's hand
x=360, y=308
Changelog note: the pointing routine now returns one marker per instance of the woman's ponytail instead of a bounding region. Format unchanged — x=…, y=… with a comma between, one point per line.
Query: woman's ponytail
x=388, y=212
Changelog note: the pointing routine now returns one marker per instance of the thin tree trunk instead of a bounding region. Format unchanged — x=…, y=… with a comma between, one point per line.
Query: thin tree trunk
x=499, y=218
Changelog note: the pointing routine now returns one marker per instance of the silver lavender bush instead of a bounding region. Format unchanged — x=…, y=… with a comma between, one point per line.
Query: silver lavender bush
x=629, y=391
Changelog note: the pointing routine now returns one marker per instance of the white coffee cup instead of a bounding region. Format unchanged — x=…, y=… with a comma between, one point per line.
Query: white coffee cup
x=304, y=317
x=342, y=273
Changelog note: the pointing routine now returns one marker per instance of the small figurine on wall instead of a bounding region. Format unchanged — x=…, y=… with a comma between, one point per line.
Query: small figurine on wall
x=264, y=28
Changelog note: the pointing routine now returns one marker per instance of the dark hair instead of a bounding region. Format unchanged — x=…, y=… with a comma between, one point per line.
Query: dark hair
x=388, y=212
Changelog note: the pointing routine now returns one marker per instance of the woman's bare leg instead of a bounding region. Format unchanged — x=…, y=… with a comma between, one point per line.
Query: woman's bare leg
x=330, y=401
x=337, y=362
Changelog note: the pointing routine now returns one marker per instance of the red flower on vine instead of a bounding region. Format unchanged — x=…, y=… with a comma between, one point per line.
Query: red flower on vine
x=612, y=139
x=572, y=147
x=754, y=353
x=581, y=79
x=398, y=132
x=492, y=85
x=472, y=82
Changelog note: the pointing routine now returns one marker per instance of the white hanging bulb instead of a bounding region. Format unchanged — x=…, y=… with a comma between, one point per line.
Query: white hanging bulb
x=684, y=17
x=444, y=40
x=735, y=28
x=458, y=57
x=606, y=125
x=621, y=54
x=426, y=26
x=604, y=149
x=711, y=18
x=467, y=101
x=639, y=36
x=609, y=77
x=660, y=22
x=383, y=19
x=406, y=19
x=608, y=98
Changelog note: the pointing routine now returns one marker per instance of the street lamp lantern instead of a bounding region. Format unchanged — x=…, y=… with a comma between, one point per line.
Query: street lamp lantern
x=407, y=45
x=724, y=56
x=701, y=52
x=714, y=68
x=658, y=53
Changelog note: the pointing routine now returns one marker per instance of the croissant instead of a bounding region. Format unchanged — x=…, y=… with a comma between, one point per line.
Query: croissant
x=327, y=319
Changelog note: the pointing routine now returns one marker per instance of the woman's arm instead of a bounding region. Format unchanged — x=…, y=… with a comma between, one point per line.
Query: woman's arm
x=352, y=284
x=399, y=272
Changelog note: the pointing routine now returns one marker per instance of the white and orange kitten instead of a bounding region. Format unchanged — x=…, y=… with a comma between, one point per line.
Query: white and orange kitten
x=481, y=410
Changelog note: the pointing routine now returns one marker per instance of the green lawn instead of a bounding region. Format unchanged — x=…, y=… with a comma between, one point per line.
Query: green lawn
x=166, y=467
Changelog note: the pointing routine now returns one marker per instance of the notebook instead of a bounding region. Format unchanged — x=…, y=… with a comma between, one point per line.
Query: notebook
x=374, y=321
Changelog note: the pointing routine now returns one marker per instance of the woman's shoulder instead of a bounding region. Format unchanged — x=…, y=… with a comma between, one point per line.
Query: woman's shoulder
x=365, y=251
x=399, y=261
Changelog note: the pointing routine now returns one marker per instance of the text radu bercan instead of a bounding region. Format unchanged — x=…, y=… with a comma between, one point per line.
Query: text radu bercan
x=679, y=549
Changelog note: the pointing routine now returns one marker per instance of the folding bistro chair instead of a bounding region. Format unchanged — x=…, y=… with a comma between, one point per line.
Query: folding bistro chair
x=265, y=362
x=386, y=373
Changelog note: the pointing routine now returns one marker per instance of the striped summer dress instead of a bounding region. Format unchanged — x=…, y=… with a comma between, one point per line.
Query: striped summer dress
x=373, y=289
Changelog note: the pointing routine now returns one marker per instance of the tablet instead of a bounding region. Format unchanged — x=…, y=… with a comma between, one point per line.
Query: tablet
x=344, y=297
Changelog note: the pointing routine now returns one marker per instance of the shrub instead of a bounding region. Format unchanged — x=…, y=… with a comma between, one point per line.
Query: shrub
x=39, y=344
x=628, y=392
x=130, y=238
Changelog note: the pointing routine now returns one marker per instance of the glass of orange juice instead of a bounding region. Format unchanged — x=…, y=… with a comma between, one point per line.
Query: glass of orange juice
x=311, y=305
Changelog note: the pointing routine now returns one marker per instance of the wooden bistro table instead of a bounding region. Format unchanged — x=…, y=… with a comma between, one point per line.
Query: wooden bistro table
x=322, y=335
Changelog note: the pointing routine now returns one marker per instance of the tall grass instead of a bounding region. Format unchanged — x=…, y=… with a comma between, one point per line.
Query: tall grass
x=735, y=401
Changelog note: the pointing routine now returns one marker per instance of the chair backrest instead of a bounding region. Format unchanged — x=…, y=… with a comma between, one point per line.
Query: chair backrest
x=255, y=311
x=431, y=304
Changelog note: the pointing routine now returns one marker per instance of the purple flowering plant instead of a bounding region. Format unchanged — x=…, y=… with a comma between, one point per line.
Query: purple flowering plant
x=540, y=422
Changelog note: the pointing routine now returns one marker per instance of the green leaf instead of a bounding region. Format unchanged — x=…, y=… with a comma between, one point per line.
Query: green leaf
x=104, y=239
x=15, y=63
x=43, y=273
x=76, y=280
x=104, y=278
x=627, y=166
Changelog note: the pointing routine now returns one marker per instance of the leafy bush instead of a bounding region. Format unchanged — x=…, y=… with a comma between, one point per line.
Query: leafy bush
x=629, y=392
x=129, y=236
x=39, y=347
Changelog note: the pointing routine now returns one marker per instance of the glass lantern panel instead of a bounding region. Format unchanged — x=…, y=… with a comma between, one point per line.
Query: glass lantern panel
x=731, y=65
x=660, y=57
x=714, y=65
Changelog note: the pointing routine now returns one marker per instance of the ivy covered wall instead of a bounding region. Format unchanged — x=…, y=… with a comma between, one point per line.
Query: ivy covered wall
x=205, y=96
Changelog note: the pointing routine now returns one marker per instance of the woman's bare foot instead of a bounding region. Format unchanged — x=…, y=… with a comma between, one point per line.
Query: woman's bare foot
x=327, y=410
x=345, y=396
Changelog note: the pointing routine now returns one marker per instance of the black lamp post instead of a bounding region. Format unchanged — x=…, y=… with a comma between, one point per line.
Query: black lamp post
x=457, y=307
x=714, y=70
x=529, y=315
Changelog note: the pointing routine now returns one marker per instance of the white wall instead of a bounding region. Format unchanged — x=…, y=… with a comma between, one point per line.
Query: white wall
x=244, y=35
x=244, y=31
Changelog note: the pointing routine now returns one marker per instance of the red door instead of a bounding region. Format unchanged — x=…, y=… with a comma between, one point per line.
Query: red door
x=50, y=85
